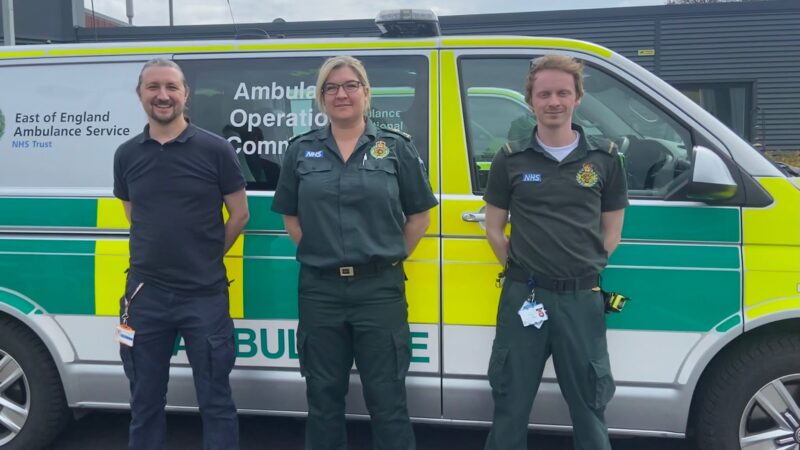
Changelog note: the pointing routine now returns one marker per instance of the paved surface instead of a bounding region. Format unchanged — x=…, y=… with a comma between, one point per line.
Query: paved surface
x=108, y=431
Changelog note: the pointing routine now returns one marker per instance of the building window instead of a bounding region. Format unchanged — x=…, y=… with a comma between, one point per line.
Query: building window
x=731, y=103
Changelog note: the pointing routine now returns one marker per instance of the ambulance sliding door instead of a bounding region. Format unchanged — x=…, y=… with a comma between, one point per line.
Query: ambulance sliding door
x=257, y=101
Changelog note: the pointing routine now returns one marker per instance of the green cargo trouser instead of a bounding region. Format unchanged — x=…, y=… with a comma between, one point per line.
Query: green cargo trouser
x=363, y=318
x=575, y=335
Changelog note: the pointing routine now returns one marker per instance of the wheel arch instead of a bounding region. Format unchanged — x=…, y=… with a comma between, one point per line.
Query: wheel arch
x=784, y=324
x=46, y=330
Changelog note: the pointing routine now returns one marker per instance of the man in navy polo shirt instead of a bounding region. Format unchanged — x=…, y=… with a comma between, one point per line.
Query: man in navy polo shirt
x=173, y=179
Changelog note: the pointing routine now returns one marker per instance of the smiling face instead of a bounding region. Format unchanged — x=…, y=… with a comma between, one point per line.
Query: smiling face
x=343, y=106
x=553, y=98
x=163, y=94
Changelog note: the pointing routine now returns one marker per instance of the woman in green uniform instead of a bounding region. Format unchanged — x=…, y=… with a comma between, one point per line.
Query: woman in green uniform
x=355, y=199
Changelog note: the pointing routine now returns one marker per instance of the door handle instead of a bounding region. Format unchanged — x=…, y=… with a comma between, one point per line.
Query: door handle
x=473, y=217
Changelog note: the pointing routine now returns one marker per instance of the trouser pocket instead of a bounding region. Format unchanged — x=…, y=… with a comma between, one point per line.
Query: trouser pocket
x=222, y=354
x=498, y=378
x=601, y=383
x=126, y=354
x=402, y=351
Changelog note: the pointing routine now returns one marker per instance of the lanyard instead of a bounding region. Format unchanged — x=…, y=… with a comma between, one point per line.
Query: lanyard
x=532, y=286
x=125, y=314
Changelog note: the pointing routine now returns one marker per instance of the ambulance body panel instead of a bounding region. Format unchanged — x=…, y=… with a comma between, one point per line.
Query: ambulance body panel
x=710, y=251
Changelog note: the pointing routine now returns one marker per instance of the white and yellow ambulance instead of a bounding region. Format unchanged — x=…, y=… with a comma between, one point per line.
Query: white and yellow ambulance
x=710, y=255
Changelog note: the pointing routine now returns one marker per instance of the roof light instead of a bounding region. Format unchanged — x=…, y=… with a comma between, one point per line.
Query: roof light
x=408, y=23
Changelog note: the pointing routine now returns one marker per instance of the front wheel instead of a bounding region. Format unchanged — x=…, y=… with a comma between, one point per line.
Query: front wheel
x=752, y=399
x=32, y=406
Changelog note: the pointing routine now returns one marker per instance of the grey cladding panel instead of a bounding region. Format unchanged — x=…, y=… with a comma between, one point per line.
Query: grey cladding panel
x=763, y=49
x=625, y=37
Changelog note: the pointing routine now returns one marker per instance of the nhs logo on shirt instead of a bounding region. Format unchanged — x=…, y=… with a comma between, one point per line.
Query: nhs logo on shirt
x=531, y=177
x=312, y=154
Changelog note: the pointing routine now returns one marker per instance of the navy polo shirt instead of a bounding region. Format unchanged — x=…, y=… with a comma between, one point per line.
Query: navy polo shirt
x=176, y=193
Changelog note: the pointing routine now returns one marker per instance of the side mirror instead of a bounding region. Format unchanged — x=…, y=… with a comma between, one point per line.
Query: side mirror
x=711, y=180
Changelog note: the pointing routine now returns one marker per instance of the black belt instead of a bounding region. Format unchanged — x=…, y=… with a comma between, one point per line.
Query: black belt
x=355, y=271
x=517, y=273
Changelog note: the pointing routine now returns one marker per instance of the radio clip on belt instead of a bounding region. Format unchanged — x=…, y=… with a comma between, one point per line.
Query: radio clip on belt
x=614, y=302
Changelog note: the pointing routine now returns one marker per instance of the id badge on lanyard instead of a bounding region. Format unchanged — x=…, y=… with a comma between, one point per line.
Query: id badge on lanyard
x=532, y=312
x=124, y=333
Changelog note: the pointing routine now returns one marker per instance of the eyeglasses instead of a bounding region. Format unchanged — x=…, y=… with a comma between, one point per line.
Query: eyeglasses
x=349, y=87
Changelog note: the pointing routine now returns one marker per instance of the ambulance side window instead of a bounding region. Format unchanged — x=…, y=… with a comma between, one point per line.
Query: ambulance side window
x=655, y=147
x=257, y=104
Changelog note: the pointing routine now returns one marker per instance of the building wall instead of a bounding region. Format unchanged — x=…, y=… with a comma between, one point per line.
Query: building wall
x=37, y=21
x=759, y=49
x=625, y=36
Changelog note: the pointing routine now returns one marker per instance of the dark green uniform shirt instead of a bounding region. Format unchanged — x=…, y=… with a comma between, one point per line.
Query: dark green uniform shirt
x=352, y=212
x=556, y=206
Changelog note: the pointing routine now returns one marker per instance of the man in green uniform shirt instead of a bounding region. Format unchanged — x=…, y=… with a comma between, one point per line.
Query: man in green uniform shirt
x=567, y=202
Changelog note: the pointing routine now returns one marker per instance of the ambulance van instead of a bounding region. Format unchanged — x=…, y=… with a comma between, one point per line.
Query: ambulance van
x=708, y=346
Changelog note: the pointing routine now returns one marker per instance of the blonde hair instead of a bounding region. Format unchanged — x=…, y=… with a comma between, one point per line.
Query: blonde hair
x=563, y=63
x=337, y=62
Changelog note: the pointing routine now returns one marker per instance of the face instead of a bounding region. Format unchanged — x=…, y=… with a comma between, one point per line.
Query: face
x=163, y=94
x=553, y=99
x=343, y=106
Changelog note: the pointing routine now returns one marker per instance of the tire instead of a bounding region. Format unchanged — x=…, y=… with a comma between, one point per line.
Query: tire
x=33, y=409
x=752, y=399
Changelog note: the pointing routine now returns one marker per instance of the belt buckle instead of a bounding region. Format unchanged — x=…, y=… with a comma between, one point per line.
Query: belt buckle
x=346, y=271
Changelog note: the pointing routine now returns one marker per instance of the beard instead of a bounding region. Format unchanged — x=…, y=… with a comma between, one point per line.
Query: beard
x=177, y=113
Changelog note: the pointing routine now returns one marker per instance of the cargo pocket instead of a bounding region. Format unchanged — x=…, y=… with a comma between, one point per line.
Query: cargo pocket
x=126, y=354
x=302, y=339
x=402, y=351
x=497, y=370
x=601, y=383
x=222, y=355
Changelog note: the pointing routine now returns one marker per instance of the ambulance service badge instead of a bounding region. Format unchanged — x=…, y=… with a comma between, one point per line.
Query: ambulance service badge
x=379, y=150
x=586, y=177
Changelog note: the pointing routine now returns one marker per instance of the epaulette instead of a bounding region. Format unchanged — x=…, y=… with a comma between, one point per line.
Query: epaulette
x=298, y=136
x=511, y=147
x=603, y=144
x=612, y=147
x=405, y=135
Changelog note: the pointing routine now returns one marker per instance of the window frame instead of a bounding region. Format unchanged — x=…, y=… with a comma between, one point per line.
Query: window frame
x=322, y=55
x=588, y=61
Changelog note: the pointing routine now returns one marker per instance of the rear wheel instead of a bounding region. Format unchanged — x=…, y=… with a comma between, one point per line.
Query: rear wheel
x=752, y=400
x=32, y=406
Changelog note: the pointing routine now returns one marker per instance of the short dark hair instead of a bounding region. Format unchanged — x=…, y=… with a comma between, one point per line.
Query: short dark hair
x=161, y=62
